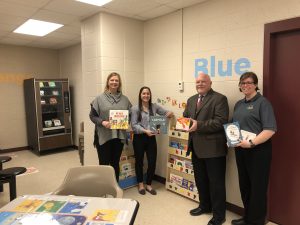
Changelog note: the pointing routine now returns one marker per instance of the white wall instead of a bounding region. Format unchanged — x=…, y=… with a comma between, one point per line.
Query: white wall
x=71, y=67
x=109, y=43
x=228, y=29
x=16, y=64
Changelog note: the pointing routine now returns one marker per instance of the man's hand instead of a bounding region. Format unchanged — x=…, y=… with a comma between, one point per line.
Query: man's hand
x=194, y=125
x=106, y=124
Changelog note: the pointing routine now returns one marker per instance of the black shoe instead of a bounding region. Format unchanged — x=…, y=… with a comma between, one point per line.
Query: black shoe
x=152, y=191
x=142, y=191
x=216, y=221
x=240, y=221
x=199, y=211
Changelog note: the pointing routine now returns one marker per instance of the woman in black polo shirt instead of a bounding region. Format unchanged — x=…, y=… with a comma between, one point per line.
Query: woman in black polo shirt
x=254, y=113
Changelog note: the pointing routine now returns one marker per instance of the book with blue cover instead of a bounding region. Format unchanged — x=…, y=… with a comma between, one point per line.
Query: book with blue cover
x=158, y=124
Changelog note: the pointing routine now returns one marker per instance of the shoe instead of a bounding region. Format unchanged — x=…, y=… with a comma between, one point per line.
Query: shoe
x=142, y=191
x=199, y=211
x=152, y=191
x=216, y=221
x=240, y=221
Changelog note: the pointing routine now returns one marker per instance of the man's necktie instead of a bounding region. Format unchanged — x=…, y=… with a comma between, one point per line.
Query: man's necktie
x=199, y=102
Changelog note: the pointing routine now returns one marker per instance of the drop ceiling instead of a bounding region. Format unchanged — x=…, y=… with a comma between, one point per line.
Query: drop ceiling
x=13, y=13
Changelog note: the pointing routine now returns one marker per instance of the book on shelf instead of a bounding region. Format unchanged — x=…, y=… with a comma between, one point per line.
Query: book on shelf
x=41, y=84
x=42, y=92
x=182, y=124
x=158, y=124
x=51, y=84
x=43, y=102
x=53, y=101
x=48, y=123
x=55, y=92
x=56, y=122
x=119, y=119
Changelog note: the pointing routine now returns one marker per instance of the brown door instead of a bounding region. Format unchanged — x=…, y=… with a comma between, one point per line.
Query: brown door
x=282, y=87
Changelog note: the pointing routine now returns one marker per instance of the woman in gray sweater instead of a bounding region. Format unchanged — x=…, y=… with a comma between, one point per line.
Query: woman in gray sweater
x=109, y=143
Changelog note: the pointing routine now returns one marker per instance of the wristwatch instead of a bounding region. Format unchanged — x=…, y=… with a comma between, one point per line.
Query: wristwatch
x=252, y=145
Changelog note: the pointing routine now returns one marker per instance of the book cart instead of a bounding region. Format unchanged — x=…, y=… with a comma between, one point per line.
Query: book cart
x=180, y=173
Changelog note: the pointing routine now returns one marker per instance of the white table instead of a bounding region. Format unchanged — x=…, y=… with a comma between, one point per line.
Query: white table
x=68, y=210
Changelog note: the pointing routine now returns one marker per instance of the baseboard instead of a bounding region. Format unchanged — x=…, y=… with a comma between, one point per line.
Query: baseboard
x=229, y=206
x=9, y=150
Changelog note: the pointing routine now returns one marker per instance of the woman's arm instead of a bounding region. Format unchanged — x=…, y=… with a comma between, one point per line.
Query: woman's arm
x=259, y=139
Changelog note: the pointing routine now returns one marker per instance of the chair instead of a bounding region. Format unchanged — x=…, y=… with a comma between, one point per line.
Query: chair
x=3, y=159
x=92, y=181
x=9, y=176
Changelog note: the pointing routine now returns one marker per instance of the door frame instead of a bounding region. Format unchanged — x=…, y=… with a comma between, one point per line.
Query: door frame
x=270, y=31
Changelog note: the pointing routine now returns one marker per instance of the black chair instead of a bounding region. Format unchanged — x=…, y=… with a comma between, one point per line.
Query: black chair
x=3, y=159
x=9, y=176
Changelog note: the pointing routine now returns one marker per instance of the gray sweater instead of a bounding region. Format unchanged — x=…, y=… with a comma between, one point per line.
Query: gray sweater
x=100, y=112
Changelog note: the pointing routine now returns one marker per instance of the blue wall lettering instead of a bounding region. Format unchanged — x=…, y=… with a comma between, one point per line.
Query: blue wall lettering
x=224, y=68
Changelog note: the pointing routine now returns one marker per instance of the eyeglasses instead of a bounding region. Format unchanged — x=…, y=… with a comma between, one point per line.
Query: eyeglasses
x=246, y=83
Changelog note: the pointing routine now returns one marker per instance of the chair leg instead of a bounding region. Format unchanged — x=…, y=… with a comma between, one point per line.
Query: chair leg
x=12, y=188
x=1, y=185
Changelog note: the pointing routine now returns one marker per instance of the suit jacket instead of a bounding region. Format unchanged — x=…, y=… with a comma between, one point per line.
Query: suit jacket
x=209, y=139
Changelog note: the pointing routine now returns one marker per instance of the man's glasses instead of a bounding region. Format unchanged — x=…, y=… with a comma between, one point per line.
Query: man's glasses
x=246, y=83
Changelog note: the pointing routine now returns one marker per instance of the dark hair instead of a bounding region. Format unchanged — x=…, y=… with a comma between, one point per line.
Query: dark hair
x=141, y=105
x=110, y=76
x=251, y=75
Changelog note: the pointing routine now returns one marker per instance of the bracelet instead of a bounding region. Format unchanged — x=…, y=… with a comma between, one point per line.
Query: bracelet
x=252, y=145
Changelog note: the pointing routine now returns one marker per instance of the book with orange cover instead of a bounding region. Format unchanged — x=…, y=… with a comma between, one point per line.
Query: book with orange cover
x=183, y=124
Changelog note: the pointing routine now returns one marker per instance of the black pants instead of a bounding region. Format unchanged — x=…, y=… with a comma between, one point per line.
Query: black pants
x=109, y=154
x=143, y=143
x=254, y=170
x=210, y=181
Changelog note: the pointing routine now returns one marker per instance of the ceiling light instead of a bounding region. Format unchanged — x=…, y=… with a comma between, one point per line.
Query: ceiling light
x=37, y=27
x=95, y=2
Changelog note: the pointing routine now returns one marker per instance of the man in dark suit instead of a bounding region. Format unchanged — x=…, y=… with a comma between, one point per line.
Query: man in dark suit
x=208, y=111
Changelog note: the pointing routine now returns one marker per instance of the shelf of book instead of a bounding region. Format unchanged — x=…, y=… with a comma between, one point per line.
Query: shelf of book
x=179, y=152
x=182, y=191
x=180, y=173
x=127, y=177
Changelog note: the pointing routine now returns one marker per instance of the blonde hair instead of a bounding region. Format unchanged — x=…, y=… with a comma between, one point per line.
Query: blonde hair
x=110, y=76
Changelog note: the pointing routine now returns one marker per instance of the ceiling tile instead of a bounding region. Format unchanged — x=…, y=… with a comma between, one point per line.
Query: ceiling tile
x=133, y=7
x=54, y=17
x=159, y=11
x=11, y=8
x=35, y=3
x=72, y=7
x=179, y=4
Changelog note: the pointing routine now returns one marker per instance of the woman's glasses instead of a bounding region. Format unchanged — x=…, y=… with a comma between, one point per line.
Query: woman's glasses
x=245, y=83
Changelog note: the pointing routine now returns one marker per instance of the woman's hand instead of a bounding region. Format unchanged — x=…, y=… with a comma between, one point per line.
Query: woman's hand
x=244, y=144
x=106, y=124
x=149, y=133
x=169, y=114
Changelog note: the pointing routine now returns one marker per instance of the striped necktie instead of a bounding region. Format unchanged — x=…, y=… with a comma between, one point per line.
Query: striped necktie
x=199, y=102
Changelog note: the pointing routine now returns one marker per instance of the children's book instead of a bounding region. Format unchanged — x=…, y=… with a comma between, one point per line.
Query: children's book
x=56, y=122
x=233, y=133
x=74, y=206
x=119, y=119
x=51, y=206
x=183, y=124
x=109, y=215
x=158, y=124
x=51, y=84
x=53, y=101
